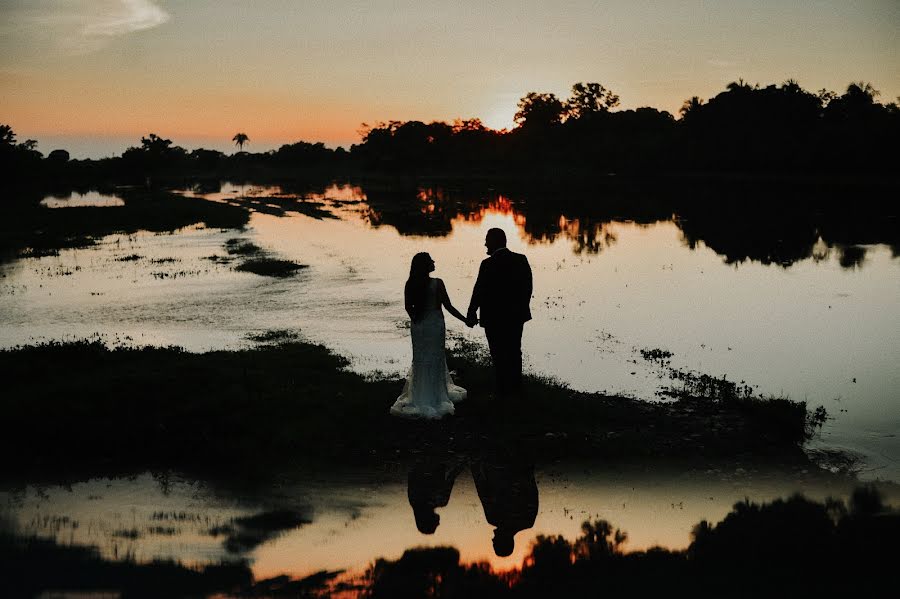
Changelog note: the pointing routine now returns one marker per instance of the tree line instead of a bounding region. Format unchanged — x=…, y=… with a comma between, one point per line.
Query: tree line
x=744, y=129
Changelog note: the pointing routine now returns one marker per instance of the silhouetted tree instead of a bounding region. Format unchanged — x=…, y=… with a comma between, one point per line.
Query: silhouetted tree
x=588, y=99
x=58, y=156
x=156, y=156
x=21, y=161
x=240, y=139
x=539, y=111
x=690, y=107
x=207, y=159
x=7, y=135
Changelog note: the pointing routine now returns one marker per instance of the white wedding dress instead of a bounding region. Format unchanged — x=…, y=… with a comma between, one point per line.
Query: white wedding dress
x=429, y=391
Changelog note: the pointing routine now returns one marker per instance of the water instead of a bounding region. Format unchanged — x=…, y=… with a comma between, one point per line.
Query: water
x=814, y=319
x=349, y=521
x=808, y=312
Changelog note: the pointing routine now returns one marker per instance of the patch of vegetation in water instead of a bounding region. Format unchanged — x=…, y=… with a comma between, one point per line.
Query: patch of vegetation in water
x=782, y=416
x=273, y=336
x=216, y=259
x=31, y=566
x=241, y=247
x=257, y=261
x=270, y=267
x=28, y=229
x=658, y=356
x=282, y=205
x=246, y=533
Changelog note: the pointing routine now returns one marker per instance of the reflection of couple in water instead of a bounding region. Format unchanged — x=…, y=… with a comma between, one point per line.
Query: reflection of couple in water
x=504, y=481
x=500, y=303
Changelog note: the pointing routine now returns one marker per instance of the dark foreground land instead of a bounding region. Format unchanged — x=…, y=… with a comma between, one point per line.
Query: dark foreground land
x=82, y=409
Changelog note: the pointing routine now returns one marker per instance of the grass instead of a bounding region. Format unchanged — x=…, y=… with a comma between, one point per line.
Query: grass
x=257, y=261
x=270, y=267
x=241, y=247
x=273, y=336
x=82, y=407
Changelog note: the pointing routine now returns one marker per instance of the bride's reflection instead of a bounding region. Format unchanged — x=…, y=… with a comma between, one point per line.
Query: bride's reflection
x=430, y=483
x=503, y=472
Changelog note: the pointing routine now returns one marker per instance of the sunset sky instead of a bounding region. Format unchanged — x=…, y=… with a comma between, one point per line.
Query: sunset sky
x=93, y=76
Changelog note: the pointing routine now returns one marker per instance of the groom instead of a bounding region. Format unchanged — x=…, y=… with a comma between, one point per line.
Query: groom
x=502, y=294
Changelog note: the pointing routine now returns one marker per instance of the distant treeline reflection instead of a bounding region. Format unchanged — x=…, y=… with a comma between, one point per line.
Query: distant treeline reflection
x=790, y=547
x=782, y=129
x=762, y=223
x=793, y=547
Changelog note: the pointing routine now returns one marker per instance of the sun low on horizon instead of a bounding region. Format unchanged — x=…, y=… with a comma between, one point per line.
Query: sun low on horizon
x=94, y=76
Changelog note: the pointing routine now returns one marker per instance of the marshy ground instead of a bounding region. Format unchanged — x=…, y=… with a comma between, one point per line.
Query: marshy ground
x=84, y=406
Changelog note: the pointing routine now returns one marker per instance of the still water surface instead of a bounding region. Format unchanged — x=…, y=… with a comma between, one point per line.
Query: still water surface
x=346, y=522
x=817, y=321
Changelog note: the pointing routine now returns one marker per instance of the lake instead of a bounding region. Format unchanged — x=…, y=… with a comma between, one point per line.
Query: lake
x=800, y=303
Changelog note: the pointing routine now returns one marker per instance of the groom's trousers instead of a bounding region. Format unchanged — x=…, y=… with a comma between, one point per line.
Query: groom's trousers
x=505, y=343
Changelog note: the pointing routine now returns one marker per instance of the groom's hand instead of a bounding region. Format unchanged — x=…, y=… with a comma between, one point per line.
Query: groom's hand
x=471, y=321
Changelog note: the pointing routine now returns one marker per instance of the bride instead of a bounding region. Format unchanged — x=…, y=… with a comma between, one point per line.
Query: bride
x=429, y=391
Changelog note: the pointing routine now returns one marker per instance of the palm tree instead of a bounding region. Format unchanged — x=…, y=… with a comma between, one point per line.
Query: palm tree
x=7, y=135
x=240, y=139
x=690, y=107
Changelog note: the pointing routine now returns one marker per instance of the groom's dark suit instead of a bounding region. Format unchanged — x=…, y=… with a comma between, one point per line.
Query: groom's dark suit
x=502, y=295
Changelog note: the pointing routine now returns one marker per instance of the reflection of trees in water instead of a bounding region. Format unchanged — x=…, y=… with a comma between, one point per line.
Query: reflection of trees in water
x=588, y=237
x=788, y=227
x=765, y=238
x=433, y=211
x=753, y=224
x=410, y=210
x=495, y=204
x=771, y=549
x=786, y=547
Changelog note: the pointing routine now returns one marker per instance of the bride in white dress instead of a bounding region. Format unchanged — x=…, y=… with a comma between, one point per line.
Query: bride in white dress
x=429, y=391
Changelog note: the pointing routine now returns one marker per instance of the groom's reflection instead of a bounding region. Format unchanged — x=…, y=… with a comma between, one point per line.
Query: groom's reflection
x=504, y=478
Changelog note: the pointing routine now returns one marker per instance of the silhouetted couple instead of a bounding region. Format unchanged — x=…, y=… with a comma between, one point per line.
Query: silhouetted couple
x=500, y=303
x=505, y=484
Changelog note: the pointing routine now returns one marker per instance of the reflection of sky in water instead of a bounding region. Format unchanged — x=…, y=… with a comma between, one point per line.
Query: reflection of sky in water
x=366, y=515
x=80, y=200
x=814, y=331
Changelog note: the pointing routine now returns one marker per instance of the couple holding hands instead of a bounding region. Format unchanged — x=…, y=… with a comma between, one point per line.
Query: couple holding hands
x=500, y=304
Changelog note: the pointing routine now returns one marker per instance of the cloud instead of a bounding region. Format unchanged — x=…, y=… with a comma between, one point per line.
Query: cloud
x=131, y=15
x=84, y=26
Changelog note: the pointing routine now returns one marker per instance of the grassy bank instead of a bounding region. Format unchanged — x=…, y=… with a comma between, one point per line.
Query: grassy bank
x=84, y=407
